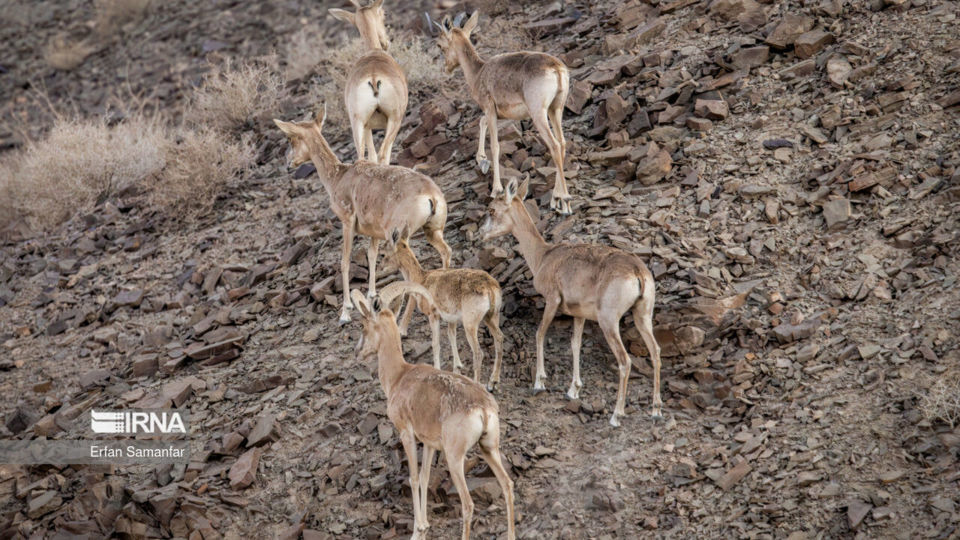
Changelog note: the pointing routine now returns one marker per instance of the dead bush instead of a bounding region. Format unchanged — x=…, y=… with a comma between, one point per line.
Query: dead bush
x=66, y=54
x=83, y=162
x=940, y=401
x=199, y=163
x=232, y=98
x=112, y=15
x=421, y=60
x=303, y=53
x=79, y=163
x=501, y=35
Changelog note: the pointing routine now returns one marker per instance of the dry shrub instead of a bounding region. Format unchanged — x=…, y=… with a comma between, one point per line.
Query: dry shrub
x=940, y=401
x=199, y=165
x=66, y=54
x=79, y=163
x=112, y=15
x=231, y=99
x=500, y=35
x=83, y=162
x=421, y=60
x=303, y=53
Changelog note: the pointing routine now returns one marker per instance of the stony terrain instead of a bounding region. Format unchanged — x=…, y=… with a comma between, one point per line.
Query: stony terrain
x=789, y=170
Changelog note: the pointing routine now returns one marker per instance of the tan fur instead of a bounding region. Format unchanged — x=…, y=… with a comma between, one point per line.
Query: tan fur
x=376, y=92
x=464, y=295
x=445, y=411
x=369, y=199
x=514, y=85
x=585, y=281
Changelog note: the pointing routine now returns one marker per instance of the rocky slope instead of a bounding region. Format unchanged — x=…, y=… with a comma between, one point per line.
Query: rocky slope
x=789, y=170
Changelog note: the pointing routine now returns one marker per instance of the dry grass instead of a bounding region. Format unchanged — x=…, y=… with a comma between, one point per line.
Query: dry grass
x=231, y=99
x=112, y=15
x=303, y=53
x=199, y=163
x=83, y=162
x=940, y=401
x=497, y=35
x=66, y=54
x=79, y=163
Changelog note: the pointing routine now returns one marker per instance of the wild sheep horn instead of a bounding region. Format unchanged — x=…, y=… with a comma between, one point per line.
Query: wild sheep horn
x=431, y=23
x=398, y=288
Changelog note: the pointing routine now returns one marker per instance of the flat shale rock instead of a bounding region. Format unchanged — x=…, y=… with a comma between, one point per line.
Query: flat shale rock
x=130, y=298
x=812, y=42
x=734, y=475
x=790, y=28
x=856, y=511
x=836, y=212
x=838, y=70
x=714, y=109
x=800, y=69
x=580, y=92
x=654, y=167
x=751, y=57
x=787, y=333
x=732, y=9
x=648, y=31
x=261, y=431
x=244, y=470
x=43, y=504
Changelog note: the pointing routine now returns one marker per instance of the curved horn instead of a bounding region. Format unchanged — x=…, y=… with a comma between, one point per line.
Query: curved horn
x=432, y=23
x=458, y=20
x=398, y=288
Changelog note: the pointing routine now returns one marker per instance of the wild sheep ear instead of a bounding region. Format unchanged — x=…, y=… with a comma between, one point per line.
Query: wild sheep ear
x=361, y=304
x=376, y=305
x=445, y=24
x=511, y=190
x=343, y=15
x=395, y=237
x=471, y=23
x=285, y=127
x=524, y=187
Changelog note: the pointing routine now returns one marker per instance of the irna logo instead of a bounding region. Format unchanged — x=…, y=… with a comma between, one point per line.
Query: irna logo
x=124, y=422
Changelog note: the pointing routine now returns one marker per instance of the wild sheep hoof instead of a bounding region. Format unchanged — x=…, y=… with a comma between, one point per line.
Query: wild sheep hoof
x=561, y=205
x=345, y=317
x=615, y=420
x=493, y=386
x=484, y=165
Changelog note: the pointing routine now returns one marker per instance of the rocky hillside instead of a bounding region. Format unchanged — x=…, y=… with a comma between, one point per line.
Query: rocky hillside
x=790, y=171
